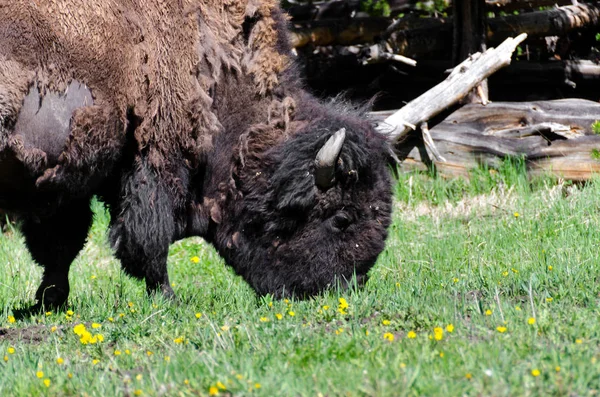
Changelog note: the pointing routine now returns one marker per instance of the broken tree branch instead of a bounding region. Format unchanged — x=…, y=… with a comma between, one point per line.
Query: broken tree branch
x=463, y=79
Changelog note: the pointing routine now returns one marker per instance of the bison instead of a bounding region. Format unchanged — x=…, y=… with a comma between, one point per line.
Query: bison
x=187, y=118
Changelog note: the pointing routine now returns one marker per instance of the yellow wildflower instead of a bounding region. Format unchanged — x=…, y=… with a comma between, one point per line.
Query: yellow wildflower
x=438, y=333
x=557, y=368
x=441, y=354
x=549, y=300
x=343, y=304
x=60, y=361
x=535, y=372
x=385, y=322
x=195, y=259
x=279, y=316
x=39, y=374
x=501, y=329
x=117, y=352
x=411, y=335
x=518, y=308
x=79, y=329
x=167, y=358
x=516, y=214
x=137, y=392
x=531, y=321
x=95, y=361
x=149, y=353
x=198, y=315
x=339, y=331
x=213, y=391
x=468, y=376
x=70, y=375
x=264, y=320
x=186, y=382
x=93, y=277
x=5, y=358
x=389, y=336
x=96, y=325
x=53, y=329
x=291, y=313
x=112, y=320
x=47, y=382
x=11, y=319
x=505, y=273
x=488, y=312
x=70, y=312
x=221, y=386
x=514, y=270
x=455, y=280
x=11, y=350
x=225, y=328
x=127, y=351
x=257, y=386
x=48, y=314
x=325, y=308
x=100, y=337
x=179, y=340
x=450, y=328
x=139, y=377
x=550, y=268
x=579, y=341
x=130, y=304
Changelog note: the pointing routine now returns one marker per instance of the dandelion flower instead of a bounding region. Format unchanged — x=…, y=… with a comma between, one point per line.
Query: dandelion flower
x=518, y=308
x=95, y=361
x=137, y=392
x=127, y=351
x=48, y=314
x=325, y=308
x=117, y=352
x=385, y=322
x=221, y=386
x=441, y=354
x=96, y=325
x=339, y=331
x=550, y=268
x=557, y=368
x=167, y=358
x=179, y=340
x=488, y=312
x=130, y=304
x=53, y=329
x=501, y=329
x=225, y=328
x=388, y=336
x=198, y=315
x=516, y=215
x=5, y=358
x=60, y=360
x=213, y=391
x=291, y=313
x=139, y=377
x=39, y=374
x=343, y=304
x=531, y=321
x=455, y=280
x=195, y=259
x=149, y=353
x=186, y=382
x=11, y=350
x=438, y=333
x=549, y=300
x=257, y=386
x=468, y=376
x=279, y=316
x=505, y=273
x=47, y=382
x=535, y=372
x=264, y=320
x=579, y=341
x=411, y=335
x=11, y=319
x=450, y=328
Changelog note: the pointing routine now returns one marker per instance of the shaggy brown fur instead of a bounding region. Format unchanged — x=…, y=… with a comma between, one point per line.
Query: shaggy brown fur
x=198, y=126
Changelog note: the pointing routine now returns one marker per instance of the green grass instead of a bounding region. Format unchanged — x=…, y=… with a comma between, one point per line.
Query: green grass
x=488, y=253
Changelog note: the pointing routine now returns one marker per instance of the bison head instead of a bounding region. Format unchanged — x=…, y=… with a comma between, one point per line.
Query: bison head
x=304, y=208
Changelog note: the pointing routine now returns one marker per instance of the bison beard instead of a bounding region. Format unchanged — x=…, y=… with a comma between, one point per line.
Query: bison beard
x=214, y=137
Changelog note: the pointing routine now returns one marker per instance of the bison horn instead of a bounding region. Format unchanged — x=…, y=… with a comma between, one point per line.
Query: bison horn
x=326, y=158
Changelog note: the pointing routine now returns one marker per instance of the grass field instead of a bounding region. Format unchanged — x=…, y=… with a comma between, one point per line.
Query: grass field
x=487, y=287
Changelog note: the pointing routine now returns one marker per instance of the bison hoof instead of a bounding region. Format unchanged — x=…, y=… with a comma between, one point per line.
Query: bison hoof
x=51, y=298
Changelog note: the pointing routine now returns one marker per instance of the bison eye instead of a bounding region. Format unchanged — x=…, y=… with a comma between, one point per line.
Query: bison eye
x=341, y=221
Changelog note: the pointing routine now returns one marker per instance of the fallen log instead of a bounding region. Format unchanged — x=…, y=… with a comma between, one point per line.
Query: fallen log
x=459, y=83
x=552, y=136
x=417, y=36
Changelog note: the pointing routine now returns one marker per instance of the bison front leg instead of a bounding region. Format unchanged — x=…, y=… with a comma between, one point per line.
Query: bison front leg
x=143, y=227
x=54, y=242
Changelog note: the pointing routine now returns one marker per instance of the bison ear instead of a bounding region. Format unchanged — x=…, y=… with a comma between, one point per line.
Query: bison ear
x=327, y=158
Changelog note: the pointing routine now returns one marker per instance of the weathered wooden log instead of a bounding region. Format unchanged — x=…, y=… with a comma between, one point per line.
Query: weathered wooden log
x=552, y=136
x=459, y=83
x=417, y=36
